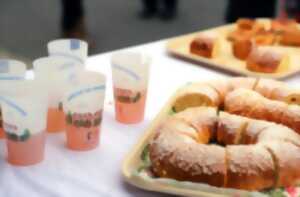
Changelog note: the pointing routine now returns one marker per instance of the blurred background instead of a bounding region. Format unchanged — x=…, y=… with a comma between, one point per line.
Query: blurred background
x=27, y=26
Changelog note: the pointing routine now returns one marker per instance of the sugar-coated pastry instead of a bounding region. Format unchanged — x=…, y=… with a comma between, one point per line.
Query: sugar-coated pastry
x=230, y=128
x=260, y=154
x=269, y=87
x=244, y=102
x=267, y=60
x=287, y=157
x=249, y=167
x=206, y=44
x=201, y=118
x=189, y=162
x=196, y=95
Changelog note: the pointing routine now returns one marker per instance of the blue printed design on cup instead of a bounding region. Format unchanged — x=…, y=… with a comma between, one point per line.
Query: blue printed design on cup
x=86, y=90
x=128, y=72
x=4, y=66
x=74, y=44
x=13, y=105
x=11, y=78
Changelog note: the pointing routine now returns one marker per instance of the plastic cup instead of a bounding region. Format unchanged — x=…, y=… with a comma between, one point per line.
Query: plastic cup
x=130, y=74
x=83, y=106
x=55, y=73
x=71, y=48
x=10, y=70
x=24, y=111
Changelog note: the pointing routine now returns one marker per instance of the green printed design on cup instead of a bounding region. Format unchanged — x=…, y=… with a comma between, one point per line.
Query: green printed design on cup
x=69, y=118
x=129, y=99
x=60, y=106
x=14, y=137
x=1, y=120
x=86, y=120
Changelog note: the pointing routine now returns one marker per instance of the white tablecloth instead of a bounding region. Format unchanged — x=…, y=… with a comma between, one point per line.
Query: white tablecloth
x=98, y=173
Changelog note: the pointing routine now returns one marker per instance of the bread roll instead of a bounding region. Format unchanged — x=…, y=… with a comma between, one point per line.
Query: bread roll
x=183, y=127
x=281, y=25
x=242, y=102
x=239, y=34
x=222, y=86
x=206, y=44
x=273, y=110
x=242, y=82
x=245, y=23
x=230, y=128
x=250, y=167
x=287, y=158
x=267, y=60
x=265, y=38
x=278, y=133
x=291, y=117
x=196, y=95
x=242, y=47
x=253, y=129
x=287, y=94
x=239, y=102
x=269, y=87
x=201, y=118
x=189, y=162
x=290, y=38
x=246, y=29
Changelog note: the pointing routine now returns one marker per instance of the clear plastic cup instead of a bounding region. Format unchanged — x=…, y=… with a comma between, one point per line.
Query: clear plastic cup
x=10, y=70
x=71, y=48
x=24, y=111
x=55, y=73
x=83, y=106
x=130, y=74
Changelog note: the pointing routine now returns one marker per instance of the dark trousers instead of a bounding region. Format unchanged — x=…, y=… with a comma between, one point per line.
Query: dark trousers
x=153, y=5
x=72, y=13
x=249, y=9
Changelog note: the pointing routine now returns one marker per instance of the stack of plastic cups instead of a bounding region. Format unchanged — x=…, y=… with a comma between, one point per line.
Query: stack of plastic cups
x=83, y=106
x=54, y=73
x=70, y=48
x=24, y=109
x=130, y=74
x=10, y=70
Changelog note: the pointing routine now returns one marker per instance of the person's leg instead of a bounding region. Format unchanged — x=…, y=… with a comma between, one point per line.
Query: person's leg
x=72, y=19
x=149, y=8
x=169, y=8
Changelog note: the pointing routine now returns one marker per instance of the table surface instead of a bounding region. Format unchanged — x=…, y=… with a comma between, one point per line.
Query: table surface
x=98, y=172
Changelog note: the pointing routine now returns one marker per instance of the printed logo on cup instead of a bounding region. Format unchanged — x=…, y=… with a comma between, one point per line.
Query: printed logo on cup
x=4, y=66
x=13, y=134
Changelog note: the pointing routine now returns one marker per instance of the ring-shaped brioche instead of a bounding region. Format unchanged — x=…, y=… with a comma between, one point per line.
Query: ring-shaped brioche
x=232, y=149
x=180, y=150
